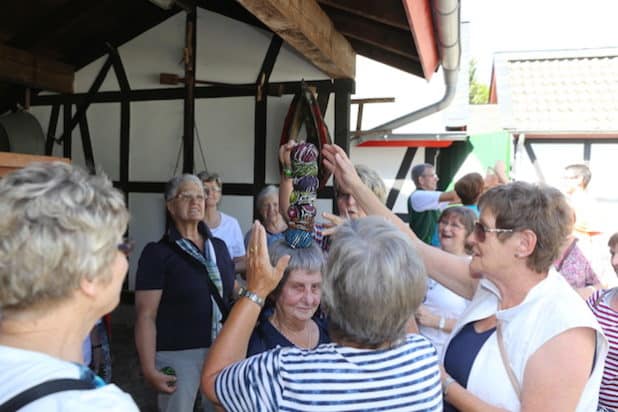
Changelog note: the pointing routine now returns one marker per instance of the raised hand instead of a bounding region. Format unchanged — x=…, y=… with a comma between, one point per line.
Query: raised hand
x=342, y=168
x=262, y=277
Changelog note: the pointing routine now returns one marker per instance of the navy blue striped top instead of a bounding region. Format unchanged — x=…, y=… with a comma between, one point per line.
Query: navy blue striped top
x=335, y=378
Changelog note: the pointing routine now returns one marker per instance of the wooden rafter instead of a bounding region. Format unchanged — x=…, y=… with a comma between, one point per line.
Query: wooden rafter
x=305, y=26
x=21, y=67
x=375, y=33
x=388, y=12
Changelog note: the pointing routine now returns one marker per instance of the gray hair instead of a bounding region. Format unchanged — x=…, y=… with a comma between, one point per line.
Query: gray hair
x=371, y=179
x=205, y=176
x=171, y=187
x=310, y=259
x=264, y=193
x=417, y=172
x=58, y=225
x=373, y=282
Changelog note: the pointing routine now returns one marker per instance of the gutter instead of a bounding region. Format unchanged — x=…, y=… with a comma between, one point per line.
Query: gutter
x=446, y=17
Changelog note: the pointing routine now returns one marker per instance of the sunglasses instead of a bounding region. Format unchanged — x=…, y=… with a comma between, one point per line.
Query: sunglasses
x=480, y=231
x=126, y=246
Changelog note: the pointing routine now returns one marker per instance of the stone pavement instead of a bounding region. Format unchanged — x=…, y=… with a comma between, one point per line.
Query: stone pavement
x=126, y=371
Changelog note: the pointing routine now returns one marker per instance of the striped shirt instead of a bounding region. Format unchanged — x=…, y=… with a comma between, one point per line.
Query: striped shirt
x=335, y=378
x=599, y=303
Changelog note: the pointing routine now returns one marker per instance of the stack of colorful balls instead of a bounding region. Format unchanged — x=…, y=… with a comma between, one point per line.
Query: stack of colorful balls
x=302, y=211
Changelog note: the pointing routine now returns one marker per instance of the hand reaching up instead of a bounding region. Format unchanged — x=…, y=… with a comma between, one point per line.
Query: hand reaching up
x=262, y=277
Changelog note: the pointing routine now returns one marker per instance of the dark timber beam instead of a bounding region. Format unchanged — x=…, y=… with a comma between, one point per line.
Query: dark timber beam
x=125, y=116
x=177, y=93
x=386, y=37
x=21, y=67
x=261, y=112
x=389, y=12
x=307, y=28
x=392, y=59
x=189, y=105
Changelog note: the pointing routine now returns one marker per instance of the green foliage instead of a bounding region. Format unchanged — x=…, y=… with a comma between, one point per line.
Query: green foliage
x=478, y=93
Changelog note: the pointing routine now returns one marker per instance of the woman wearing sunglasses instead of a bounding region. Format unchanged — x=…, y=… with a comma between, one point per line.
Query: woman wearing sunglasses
x=526, y=342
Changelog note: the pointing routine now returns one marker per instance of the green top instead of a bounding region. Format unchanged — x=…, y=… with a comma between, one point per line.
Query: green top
x=423, y=224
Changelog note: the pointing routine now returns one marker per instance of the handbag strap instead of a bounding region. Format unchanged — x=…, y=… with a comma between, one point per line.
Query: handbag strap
x=41, y=390
x=214, y=291
x=505, y=360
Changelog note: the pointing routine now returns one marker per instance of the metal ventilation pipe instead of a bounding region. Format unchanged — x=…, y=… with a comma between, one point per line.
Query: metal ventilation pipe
x=446, y=17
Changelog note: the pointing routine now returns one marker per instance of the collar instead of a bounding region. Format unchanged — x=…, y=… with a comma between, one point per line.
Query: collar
x=173, y=234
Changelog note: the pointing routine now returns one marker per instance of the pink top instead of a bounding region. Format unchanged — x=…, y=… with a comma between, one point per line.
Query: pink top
x=576, y=268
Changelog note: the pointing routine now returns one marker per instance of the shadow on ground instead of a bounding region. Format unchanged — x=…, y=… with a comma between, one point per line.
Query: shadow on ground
x=126, y=371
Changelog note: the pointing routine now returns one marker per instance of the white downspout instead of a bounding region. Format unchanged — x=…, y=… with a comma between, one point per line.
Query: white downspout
x=446, y=16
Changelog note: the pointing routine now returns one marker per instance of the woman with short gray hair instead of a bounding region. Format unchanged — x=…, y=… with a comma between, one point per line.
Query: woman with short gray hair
x=62, y=265
x=292, y=315
x=373, y=282
x=267, y=204
x=183, y=287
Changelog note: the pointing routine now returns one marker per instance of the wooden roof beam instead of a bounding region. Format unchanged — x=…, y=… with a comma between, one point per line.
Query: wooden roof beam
x=388, y=12
x=21, y=67
x=305, y=26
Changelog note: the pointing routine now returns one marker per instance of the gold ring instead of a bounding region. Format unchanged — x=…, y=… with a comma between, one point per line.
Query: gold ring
x=251, y=250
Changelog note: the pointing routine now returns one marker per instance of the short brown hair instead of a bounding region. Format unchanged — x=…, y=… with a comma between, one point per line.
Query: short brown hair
x=539, y=208
x=469, y=188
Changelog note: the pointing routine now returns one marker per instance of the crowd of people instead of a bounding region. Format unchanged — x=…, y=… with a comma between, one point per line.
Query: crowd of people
x=484, y=301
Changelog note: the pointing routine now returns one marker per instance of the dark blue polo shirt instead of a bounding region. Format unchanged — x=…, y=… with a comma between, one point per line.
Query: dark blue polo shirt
x=184, y=315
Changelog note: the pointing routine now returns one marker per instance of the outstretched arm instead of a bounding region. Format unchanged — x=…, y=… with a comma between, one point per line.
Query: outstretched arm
x=451, y=271
x=231, y=344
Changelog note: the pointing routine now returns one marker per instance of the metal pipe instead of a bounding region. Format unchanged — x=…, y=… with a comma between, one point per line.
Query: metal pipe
x=446, y=16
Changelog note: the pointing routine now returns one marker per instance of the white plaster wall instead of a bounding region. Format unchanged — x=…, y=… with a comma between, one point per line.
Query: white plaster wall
x=227, y=51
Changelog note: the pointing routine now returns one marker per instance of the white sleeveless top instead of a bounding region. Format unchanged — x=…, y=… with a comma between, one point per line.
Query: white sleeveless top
x=550, y=308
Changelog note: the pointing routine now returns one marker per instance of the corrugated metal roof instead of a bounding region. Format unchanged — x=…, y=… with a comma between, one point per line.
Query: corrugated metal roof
x=558, y=91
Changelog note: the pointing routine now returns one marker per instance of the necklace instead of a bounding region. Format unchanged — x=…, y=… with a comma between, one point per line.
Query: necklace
x=303, y=339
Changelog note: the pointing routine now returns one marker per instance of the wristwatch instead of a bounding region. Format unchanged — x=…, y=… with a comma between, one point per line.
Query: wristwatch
x=251, y=296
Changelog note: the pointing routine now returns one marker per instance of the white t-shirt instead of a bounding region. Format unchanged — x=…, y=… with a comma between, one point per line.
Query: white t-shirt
x=229, y=231
x=22, y=369
x=422, y=200
x=442, y=302
x=549, y=308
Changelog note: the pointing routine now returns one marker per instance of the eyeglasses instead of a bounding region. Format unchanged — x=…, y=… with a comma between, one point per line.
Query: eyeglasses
x=430, y=175
x=480, y=231
x=126, y=246
x=188, y=197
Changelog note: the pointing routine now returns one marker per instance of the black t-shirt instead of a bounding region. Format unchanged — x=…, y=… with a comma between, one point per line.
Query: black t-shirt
x=184, y=316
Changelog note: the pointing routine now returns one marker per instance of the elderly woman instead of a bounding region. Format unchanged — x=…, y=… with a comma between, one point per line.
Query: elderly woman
x=373, y=282
x=604, y=306
x=223, y=226
x=525, y=341
x=61, y=268
x=442, y=308
x=183, y=288
x=267, y=203
x=291, y=317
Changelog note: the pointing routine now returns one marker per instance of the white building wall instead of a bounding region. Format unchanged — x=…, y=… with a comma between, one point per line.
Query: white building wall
x=227, y=51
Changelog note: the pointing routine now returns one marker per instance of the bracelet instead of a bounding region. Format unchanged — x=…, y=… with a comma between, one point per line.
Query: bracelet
x=447, y=382
x=442, y=323
x=251, y=296
x=99, y=346
x=287, y=172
